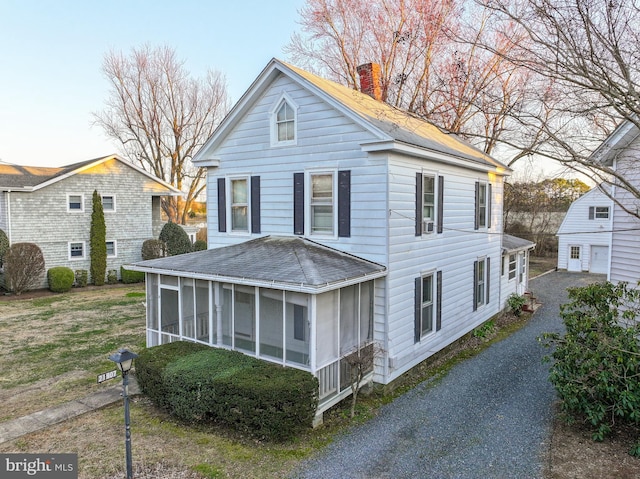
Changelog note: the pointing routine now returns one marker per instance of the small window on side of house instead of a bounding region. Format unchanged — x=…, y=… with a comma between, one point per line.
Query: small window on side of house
x=512, y=266
x=75, y=203
x=108, y=203
x=76, y=250
x=602, y=212
x=284, y=122
x=112, y=250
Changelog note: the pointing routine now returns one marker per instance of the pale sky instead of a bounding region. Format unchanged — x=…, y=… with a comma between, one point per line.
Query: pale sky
x=52, y=50
x=51, y=53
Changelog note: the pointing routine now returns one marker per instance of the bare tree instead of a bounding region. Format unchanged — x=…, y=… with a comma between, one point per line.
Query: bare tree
x=589, y=50
x=161, y=117
x=357, y=365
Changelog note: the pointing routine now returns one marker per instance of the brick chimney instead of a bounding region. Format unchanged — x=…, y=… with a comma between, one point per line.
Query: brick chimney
x=370, y=80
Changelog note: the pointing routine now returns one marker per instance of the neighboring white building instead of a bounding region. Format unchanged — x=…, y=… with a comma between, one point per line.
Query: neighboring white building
x=621, y=151
x=584, y=237
x=335, y=221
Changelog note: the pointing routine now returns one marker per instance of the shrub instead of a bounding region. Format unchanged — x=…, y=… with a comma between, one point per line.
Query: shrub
x=153, y=248
x=176, y=239
x=151, y=363
x=598, y=358
x=199, y=245
x=4, y=246
x=23, y=267
x=97, y=239
x=82, y=278
x=196, y=383
x=201, y=234
x=129, y=276
x=60, y=279
x=112, y=276
x=261, y=399
x=516, y=303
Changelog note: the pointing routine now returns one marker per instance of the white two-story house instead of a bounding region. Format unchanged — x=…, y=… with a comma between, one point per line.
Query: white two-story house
x=335, y=221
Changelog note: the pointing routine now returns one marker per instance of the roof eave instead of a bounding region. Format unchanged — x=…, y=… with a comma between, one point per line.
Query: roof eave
x=430, y=154
x=295, y=287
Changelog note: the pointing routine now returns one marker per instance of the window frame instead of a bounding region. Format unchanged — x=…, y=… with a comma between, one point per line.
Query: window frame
x=70, y=245
x=601, y=213
x=278, y=105
x=113, y=201
x=75, y=210
x=311, y=205
x=513, y=265
x=428, y=303
x=482, y=205
x=232, y=205
x=115, y=248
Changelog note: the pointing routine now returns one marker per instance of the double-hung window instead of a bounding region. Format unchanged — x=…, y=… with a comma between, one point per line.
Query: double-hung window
x=481, y=285
x=112, y=250
x=598, y=212
x=482, y=216
x=322, y=204
x=429, y=203
x=239, y=204
x=75, y=203
x=108, y=203
x=512, y=266
x=428, y=304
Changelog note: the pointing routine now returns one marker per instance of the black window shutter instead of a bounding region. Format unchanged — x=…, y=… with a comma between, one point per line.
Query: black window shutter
x=222, y=206
x=477, y=207
x=344, y=204
x=488, y=280
x=592, y=212
x=418, y=310
x=439, y=300
x=489, y=205
x=255, y=204
x=475, y=285
x=418, y=204
x=440, y=203
x=298, y=203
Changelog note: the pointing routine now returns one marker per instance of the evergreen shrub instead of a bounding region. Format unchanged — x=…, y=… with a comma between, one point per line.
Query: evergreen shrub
x=153, y=248
x=112, y=276
x=60, y=279
x=129, y=276
x=82, y=278
x=23, y=267
x=199, y=245
x=176, y=239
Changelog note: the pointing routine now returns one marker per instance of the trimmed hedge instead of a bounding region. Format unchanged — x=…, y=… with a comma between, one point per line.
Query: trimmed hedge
x=261, y=399
x=153, y=248
x=176, y=239
x=199, y=245
x=129, y=276
x=60, y=279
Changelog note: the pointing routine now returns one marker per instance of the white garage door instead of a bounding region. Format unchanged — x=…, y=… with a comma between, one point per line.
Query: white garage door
x=599, y=259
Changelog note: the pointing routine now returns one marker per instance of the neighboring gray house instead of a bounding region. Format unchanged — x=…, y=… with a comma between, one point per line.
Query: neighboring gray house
x=335, y=221
x=621, y=151
x=51, y=206
x=584, y=237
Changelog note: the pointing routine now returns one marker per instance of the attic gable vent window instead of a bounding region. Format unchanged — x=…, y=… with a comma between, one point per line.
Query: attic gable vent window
x=284, y=122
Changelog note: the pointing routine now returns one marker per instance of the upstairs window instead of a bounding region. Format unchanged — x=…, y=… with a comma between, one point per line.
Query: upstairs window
x=239, y=205
x=322, y=204
x=284, y=122
x=599, y=212
x=108, y=203
x=429, y=204
x=75, y=203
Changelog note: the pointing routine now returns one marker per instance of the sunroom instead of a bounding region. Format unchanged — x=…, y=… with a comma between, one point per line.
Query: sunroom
x=286, y=300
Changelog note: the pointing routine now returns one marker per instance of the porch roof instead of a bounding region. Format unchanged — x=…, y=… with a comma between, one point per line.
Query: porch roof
x=289, y=263
x=512, y=243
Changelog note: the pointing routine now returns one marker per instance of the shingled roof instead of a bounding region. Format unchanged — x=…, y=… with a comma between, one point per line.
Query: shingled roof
x=30, y=178
x=512, y=243
x=290, y=263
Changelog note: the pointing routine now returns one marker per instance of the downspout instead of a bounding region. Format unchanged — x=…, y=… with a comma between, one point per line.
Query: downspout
x=9, y=215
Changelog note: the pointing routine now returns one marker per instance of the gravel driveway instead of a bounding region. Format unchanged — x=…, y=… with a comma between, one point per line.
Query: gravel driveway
x=490, y=417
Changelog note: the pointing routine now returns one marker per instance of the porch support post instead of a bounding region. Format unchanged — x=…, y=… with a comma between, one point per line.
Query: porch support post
x=218, y=310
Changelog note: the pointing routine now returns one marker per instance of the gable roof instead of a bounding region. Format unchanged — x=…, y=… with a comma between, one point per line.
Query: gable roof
x=289, y=263
x=392, y=128
x=617, y=141
x=32, y=178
